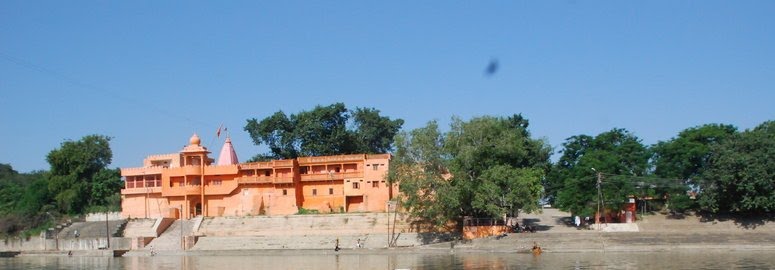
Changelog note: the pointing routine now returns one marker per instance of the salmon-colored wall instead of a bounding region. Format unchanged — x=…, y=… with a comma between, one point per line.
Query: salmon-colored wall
x=252, y=200
x=323, y=201
x=246, y=189
x=473, y=232
x=376, y=198
x=140, y=206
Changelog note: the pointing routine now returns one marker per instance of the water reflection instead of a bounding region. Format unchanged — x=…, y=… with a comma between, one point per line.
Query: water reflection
x=294, y=260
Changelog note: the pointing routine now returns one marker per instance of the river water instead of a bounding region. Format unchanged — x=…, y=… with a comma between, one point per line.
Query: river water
x=289, y=260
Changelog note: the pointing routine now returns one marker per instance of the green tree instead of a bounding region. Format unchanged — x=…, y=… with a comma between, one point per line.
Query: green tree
x=323, y=131
x=486, y=167
x=740, y=176
x=618, y=155
x=686, y=158
x=493, y=159
x=374, y=133
x=73, y=169
x=23, y=197
x=419, y=168
x=106, y=185
x=277, y=132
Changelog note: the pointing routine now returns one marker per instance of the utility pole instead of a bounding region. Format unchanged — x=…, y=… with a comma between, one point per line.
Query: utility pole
x=182, y=247
x=599, y=195
x=107, y=228
x=388, y=222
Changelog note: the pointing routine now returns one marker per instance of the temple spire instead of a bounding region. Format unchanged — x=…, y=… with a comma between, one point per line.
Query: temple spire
x=227, y=156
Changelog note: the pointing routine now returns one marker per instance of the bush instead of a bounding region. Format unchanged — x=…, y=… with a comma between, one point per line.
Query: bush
x=681, y=202
x=304, y=211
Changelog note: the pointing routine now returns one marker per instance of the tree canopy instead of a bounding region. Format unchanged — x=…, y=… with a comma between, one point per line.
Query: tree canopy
x=685, y=159
x=419, y=166
x=485, y=167
x=77, y=182
x=740, y=176
x=22, y=197
x=573, y=182
x=325, y=130
x=79, y=177
x=686, y=156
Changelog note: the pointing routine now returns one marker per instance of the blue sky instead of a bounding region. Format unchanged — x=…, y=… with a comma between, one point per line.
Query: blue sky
x=149, y=74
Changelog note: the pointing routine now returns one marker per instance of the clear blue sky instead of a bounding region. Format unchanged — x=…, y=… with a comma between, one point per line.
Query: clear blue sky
x=149, y=74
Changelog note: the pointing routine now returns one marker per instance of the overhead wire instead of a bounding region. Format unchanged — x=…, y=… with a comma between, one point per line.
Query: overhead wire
x=99, y=90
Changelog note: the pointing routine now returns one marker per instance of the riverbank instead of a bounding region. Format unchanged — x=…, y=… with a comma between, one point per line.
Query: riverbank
x=656, y=232
x=263, y=235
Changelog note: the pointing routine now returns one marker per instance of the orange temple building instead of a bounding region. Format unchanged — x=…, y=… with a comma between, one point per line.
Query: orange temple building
x=190, y=183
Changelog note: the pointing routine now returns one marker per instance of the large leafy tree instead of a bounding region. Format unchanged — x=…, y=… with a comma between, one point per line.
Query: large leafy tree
x=619, y=157
x=486, y=167
x=374, y=133
x=682, y=160
x=686, y=156
x=23, y=200
x=324, y=130
x=497, y=164
x=740, y=176
x=78, y=176
x=419, y=167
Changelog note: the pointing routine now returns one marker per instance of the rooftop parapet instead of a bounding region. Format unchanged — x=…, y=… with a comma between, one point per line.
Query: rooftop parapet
x=142, y=170
x=328, y=159
x=378, y=156
x=256, y=165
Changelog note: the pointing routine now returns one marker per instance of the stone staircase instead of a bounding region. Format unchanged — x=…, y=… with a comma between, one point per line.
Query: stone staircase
x=305, y=232
x=93, y=229
x=368, y=241
x=140, y=228
x=170, y=239
x=333, y=224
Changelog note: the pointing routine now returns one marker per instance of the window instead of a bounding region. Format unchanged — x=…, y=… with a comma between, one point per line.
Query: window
x=285, y=192
x=266, y=173
x=375, y=184
x=356, y=185
x=330, y=191
x=217, y=182
x=314, y=192
x=336, y=169
x=375, y=167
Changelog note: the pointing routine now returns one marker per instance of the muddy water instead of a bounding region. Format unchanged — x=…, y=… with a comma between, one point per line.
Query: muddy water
x=291, y=260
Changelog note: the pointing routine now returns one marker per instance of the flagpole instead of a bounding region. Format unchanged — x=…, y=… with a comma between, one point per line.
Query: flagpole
x=217, y=135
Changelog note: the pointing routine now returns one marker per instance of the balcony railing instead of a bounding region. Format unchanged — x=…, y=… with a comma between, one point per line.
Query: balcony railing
x=142, y=170
x=255, y=179
x=328, y=159
x=142, y=184
x=141, y=190
x=284, y=179
x=283, y=163
x=180, y=191
x=226, y=187
x=330, y=176
x=256, y=165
